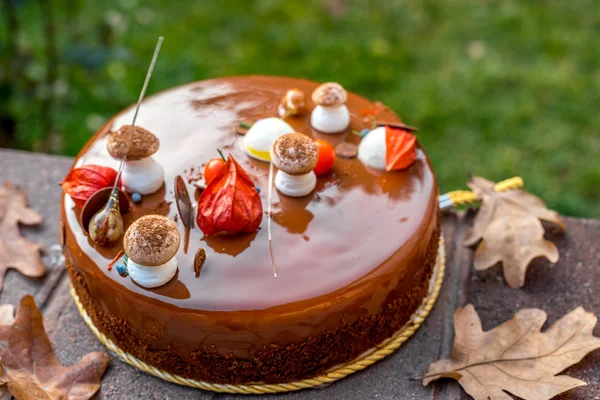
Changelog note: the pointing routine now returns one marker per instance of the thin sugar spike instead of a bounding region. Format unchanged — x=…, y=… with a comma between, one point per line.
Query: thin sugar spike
x=269, y=218
x=139, y=102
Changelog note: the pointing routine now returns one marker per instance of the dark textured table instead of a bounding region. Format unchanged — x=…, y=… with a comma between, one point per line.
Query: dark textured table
x=558, y=288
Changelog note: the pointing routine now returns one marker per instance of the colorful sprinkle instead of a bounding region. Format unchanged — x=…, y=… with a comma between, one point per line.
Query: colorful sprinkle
x=369, y=111
x=136, y=197
x=364, y=132
x=122, y=270
x=258, y=189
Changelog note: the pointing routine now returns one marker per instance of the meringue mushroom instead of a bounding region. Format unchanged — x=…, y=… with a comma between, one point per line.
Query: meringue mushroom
x=292, y=103
x=260, y=137
x=151, y=244
x=372, y=149
x=330, y=114
x=295, y=155
x=142, y=173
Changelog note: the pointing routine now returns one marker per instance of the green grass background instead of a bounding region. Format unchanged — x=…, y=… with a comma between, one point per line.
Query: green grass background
x=498, y=88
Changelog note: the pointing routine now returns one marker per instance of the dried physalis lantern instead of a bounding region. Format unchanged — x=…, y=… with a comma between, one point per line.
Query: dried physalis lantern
x=292, y=103
x=261, y=136
x=330, y=114
x=295, y=155
x=230, y=204
x=82, y=182
x=388, y=149
x=151, y=244
x=141, y=174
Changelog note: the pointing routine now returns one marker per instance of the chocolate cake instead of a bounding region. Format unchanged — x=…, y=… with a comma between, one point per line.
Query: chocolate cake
x=353, y=258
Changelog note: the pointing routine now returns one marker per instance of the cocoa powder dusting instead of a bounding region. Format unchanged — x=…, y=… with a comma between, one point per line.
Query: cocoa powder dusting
x=295, y=153
x=133, y=146
x=151, y=240
x=154, y=234
x=329, y=94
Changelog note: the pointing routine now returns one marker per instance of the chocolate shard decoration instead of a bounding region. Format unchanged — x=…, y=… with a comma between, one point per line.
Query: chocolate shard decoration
x=199, y=261
x=398, y=125
x=242, y=128
x=346, y=150
x=184, y=204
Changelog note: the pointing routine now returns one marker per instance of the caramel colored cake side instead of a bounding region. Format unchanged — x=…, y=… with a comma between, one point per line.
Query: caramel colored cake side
x=354, y=258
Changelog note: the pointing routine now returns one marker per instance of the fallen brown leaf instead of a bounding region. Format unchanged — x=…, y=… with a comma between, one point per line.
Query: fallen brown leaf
x=509, y=224
x=32, y=371
x=15, y=251
x=7, y=317
x=4, y=393
x=516, y=356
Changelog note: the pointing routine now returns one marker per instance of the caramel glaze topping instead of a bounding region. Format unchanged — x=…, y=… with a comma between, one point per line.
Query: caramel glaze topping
x=344, y=252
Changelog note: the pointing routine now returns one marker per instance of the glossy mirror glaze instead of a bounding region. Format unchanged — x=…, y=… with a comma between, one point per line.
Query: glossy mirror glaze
x=359, y=240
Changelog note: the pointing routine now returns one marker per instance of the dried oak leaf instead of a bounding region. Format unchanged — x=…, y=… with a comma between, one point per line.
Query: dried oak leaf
x=509, y=224
x=7, y=317
x=15, y=251
x=32, y=370
x=516, y=356
x=4, y=393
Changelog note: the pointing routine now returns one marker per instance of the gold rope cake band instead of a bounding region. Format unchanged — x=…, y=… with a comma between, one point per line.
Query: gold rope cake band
x=366, y=359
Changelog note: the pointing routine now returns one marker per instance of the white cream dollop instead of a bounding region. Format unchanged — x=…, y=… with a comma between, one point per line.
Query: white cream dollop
x=151, y=277
x=144, y=176
x=372, y=149
x=295, y=185
x=332, y=119
x=262, y=134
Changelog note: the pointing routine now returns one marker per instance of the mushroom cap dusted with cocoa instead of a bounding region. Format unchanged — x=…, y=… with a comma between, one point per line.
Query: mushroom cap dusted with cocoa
x=294, y=154
x=151, y=240
x=123, y=143
x=329, y=94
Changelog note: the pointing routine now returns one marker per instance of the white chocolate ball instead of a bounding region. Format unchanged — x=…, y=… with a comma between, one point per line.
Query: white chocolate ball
x=372, y=149
x=262, y=134
x=333, y=119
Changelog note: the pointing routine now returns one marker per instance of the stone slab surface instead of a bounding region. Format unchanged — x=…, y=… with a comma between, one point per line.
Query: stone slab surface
x=573, y=281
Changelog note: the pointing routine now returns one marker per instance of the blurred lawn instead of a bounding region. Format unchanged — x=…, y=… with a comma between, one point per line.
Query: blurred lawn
x=498, y=88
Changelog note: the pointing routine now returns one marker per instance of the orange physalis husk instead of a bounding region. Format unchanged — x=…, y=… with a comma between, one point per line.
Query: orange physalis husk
x=401, y=149
x=84, y=181
x=230, y=203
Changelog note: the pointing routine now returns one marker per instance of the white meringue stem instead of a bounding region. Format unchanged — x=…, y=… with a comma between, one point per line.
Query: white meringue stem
x=332, y=119
x=295, y=185
x=144, y=176
x=152, y=277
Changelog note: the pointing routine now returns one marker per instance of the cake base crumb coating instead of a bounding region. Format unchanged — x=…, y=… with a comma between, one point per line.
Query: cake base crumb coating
x=273, y=363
